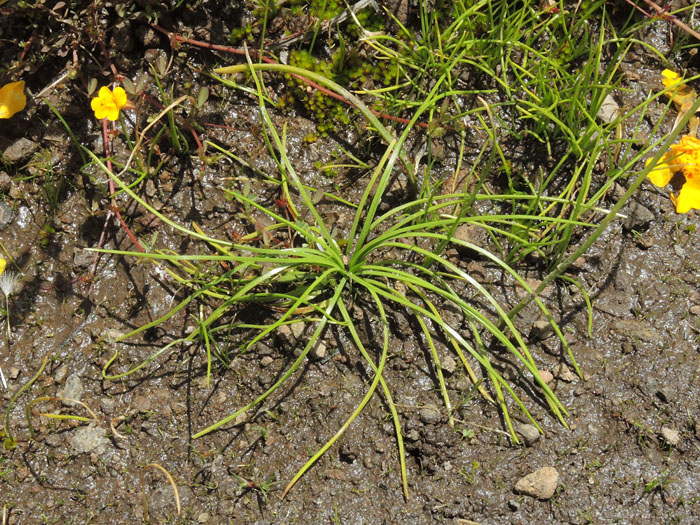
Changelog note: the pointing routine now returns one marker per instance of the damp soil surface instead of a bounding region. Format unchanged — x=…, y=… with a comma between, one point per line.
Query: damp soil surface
x=630, y=454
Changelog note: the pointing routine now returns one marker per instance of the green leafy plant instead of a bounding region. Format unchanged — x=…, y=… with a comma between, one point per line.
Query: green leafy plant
x=387, y=261
x=397, y=260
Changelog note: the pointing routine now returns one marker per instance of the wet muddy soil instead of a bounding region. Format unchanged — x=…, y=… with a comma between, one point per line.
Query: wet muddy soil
x=631, y=453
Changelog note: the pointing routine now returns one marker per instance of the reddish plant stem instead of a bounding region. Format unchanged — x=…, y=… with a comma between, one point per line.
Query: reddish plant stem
x=113, y=210
x=26, y=47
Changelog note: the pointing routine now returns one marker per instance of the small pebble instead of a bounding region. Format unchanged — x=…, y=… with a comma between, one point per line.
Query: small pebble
x=412, y=435
x=529, y=433
x=20, y=150
x=5, y=181
x=266, y=361
x=541, y=329
x=638, y=217
x=291, y=332
x=429, y=414
x=609, y=110
x=6, y=214
x=89, y=439
x=319, y=350
x=546, y=376
x=564, y=373
x=61, y=374
x=665, y=394
x=108, y=405
x=449, y=365
x=578, y=265
x=540, y=484
x=73, y=389
x=645, y=241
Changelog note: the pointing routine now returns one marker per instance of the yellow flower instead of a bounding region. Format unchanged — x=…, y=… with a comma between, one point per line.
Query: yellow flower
x=107, y=103
x=683, y=96
x=682, y=157
x=12, y=99
x=3, y=263
x=670, y=77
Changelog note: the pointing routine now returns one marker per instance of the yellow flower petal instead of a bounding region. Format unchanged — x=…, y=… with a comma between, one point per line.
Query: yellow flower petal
x=112, y=113
x=687, y=159
x=662, y=173
x=12, y=99
x=669, y=77
x=120, y=97
x=689, y=196
x=3, y=263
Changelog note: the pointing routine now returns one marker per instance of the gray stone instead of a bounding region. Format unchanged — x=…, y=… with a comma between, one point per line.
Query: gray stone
x=638, y=216
x=20, y=150
x=470, y=233
x=60, y=374
x=319, y=350
x=89, y=439
x=449, y=365
x=541, y=329
x=73, y=389
x=412, y=435
x=564, y=373
x=540, y=484
x=108, y=405
x=529, y=433
x=291, y=332
x=609, y=110
x=83, y=259
x=665, y=394
x=6, y=215
x=429, y=414
x=636, y=330
x=5, y=182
